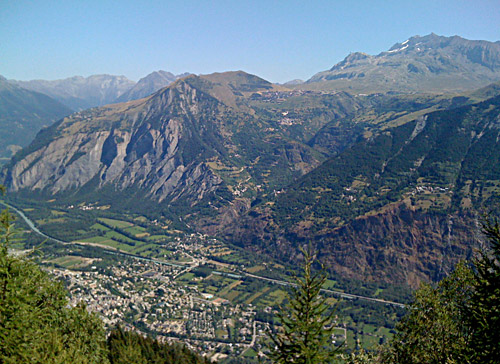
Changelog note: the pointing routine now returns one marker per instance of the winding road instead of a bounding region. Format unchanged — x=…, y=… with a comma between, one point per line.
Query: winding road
x=189, y=267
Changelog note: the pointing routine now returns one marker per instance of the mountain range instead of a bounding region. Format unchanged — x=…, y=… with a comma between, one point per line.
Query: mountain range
x=386, y=185
x=420, y=64
x=149, y=84
x=80, y=93
x=22, y=114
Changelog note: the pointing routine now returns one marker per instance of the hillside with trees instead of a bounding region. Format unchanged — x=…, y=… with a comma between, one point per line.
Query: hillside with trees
x=38, y=326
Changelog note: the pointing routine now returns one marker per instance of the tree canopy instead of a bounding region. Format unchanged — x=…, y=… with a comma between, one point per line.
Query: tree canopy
x=305, y=336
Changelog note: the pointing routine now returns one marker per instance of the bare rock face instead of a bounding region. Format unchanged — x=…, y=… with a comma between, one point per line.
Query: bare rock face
x=172, y=145
x=132, y=144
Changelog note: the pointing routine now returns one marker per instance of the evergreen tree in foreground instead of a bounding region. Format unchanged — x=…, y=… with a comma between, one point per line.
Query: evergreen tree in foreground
x=432, y=332
x=129, y=347
x=482, y=312
x=458, y=321
x=36, y=324
x=306, y=333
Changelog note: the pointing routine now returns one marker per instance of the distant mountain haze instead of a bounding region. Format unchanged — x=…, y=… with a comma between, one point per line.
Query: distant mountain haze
x=149, y=84
x=22, y=114
x=80, y=93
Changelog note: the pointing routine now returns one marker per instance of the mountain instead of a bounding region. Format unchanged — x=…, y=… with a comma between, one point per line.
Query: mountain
x=293, y=82
x=193, y=144
x=22, y=114
x=397, y=206
x=149, y=84
x=420, y=64
x=79, y=93
x=366, y=178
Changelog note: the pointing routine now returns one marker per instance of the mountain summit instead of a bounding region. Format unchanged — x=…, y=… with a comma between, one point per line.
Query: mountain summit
x=176, y=144
x=431, y=63
x=150, y=84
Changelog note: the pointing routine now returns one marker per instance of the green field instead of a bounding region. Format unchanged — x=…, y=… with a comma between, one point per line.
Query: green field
x=70, y=262
x=99, y=227
x=120, y=224
x=135, y=230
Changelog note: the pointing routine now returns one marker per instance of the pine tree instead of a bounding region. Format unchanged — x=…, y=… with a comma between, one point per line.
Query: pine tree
x=483, y=309
x=36, y=324
x=305, y=336
x=432, y=332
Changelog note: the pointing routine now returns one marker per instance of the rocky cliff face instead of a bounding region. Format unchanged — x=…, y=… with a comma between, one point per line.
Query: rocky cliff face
x=174, y=145
x=135, y=144
x=400, y=244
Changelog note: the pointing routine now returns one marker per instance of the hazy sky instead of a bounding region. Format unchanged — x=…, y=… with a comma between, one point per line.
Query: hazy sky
x=277, y=40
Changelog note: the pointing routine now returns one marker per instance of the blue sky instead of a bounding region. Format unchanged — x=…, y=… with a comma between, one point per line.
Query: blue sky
x=277, y=40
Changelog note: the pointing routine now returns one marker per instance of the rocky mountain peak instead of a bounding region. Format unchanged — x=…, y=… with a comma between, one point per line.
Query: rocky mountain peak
x=351, y=60
x=431, y=63
x=150, y=84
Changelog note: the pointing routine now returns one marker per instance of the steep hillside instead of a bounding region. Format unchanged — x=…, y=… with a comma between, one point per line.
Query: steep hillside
x=233, y=155
x=397, y=206
x=79, y=93
x=193, y=144
x=22, y=114
x=420, y=64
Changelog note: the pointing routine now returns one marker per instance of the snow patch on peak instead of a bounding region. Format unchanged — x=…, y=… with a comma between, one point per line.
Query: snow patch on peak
x=398, y=50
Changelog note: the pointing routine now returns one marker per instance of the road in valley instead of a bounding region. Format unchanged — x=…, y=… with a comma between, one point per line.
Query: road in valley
x=196, y=263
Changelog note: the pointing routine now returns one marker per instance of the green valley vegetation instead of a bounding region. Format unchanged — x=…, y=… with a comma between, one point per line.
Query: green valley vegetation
x=37, y=325
x=455, y=321
x=393, y=191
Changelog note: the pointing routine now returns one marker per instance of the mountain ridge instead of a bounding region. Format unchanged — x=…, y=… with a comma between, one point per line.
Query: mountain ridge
x=79, y=92
x=429, y=63
x=148, y=85
x=22, y=114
